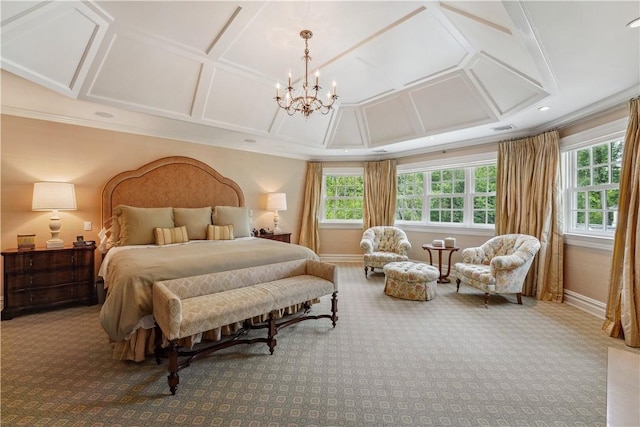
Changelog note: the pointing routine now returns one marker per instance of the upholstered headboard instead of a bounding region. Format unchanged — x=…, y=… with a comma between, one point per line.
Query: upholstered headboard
x=176, y=181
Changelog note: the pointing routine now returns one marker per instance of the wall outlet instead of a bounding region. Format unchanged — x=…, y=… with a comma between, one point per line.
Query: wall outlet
x=87, y=226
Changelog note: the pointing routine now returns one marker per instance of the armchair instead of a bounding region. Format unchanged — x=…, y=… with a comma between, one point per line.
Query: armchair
x=382, y=245
x=499, y=266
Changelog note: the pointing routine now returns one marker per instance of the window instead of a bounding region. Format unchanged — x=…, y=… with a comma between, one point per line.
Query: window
x=593, y=187
x=342, y=196
x=453, y=196
x=410, y=194
x=446, y=198
x=484, y=194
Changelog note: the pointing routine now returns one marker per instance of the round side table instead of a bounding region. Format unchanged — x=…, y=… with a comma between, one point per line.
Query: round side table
x=443, y=277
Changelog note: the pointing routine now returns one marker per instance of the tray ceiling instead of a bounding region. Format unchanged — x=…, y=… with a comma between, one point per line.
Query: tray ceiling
x=412, y=76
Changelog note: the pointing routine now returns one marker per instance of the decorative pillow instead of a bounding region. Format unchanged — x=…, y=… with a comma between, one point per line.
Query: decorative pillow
x=236, y=216
x=220, y=232
x=195, y=219
x=137, y=224
x=167, y=236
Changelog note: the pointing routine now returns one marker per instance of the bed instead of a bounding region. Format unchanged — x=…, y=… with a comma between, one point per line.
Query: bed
x=172, y=218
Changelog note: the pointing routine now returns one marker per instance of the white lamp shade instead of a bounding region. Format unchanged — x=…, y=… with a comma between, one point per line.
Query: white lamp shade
x=276, y=202
x=49, y=196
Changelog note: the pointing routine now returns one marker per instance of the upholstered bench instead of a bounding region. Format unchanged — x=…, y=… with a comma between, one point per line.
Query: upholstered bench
x=188, y=306
x=410, y=280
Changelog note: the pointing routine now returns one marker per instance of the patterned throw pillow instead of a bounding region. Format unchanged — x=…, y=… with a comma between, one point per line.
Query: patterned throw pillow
x=167, y=236
x=220, y=232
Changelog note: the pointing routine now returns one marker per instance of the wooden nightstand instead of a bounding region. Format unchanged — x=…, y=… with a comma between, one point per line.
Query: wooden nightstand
x=280, y=237
x=45, y=278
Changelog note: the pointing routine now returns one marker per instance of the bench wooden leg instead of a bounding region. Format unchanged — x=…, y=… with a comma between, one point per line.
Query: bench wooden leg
x=273, y=330
x=158, y=343
x=334, y=308
x=173, y=377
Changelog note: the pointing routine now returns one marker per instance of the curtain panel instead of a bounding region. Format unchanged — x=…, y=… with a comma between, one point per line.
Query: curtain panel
x=309, y=230
x=623, y=305
x=528, y=202
x=380, y=188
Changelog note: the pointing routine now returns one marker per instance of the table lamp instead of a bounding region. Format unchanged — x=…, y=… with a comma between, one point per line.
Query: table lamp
x=54, y=196
x=276, y=202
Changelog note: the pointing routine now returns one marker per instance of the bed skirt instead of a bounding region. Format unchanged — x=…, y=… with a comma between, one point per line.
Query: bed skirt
x=141, y=343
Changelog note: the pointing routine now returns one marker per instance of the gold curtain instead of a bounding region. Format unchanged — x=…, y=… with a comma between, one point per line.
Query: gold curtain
x=528, y=202
x=309, y=233
x=380, y=187
x=623, y=306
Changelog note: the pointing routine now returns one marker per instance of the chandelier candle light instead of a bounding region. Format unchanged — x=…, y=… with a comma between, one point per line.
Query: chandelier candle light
x=306, y=100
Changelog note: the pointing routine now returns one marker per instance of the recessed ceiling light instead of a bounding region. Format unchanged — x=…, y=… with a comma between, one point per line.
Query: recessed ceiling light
x=634, y=24
x=432, y=138
x=544, y=108
x=104, y=114
x=346, y=150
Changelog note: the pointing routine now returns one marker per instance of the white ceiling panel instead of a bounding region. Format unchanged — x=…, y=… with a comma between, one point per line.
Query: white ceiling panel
x=508, y=90
x=138, y=74
x=388, y=121
x=427, y=48
x=195, y=24
x=240, y=101
x=450, y=103
x=347, y=131
x=492, y=34
x=50, y=43
x=405, y=70
x=299, y=130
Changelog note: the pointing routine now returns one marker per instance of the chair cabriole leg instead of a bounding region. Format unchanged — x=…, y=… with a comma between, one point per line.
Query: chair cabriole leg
x=486, y=300
x=519, y=297
x=458, y=285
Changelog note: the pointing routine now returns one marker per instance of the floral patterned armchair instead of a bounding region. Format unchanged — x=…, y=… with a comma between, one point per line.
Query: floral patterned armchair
x=382, y=245
x=499, y=266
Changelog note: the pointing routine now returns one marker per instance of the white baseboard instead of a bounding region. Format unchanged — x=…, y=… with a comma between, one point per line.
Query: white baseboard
x=591, y=306
x=340, y=258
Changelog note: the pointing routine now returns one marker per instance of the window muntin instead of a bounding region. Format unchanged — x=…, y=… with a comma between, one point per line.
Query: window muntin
x=410, y=196
x=484, y=194
x=342, y=197
x=593, y=189
x=452, y=196
x=446, y=198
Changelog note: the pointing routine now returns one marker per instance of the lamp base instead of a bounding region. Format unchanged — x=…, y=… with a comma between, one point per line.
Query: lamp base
x=55, y=244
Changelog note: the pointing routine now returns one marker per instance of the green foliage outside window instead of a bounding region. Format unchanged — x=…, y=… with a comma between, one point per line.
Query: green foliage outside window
x=410, y=195
x=594, y=202
x=343, y=197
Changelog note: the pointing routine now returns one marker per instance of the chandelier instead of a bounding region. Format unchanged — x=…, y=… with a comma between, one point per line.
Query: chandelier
x=305, y=100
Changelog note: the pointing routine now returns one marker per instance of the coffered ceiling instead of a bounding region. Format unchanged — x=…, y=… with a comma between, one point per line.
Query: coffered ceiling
x=412, y=76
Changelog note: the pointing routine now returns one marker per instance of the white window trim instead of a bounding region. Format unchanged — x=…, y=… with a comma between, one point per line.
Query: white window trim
x=607, y=132
x=468, y=161
x=344, y=223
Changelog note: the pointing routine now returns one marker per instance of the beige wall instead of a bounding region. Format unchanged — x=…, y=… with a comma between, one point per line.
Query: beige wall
x=35, y=150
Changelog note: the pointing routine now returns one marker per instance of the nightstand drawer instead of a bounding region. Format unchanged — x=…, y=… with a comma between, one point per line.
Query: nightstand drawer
x=39, y=279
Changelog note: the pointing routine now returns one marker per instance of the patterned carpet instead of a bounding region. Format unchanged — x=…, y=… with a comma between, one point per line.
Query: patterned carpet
x=445, y=362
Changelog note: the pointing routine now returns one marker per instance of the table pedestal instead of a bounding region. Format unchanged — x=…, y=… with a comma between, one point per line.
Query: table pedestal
x=443, y=276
